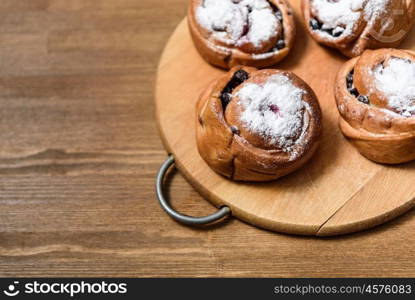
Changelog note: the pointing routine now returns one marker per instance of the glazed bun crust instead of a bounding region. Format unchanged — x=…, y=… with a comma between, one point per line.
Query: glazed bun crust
x=232, y=150
x=386, y=28
x=226, y=56
x=378, y=132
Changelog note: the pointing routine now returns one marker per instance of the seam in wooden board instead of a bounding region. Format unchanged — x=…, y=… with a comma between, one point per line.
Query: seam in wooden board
x=374, y=221
x=317, y=195
x=345, y=203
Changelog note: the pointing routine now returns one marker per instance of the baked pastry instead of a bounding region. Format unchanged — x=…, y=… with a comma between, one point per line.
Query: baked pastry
x=352, y=26
x=375, y=95
x=227, y=33
x=257, y=125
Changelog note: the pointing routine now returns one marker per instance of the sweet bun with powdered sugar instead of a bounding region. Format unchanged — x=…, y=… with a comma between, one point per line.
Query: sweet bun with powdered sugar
x=352, y=26
x=228, y=33
x=375, y=95
x=257, y=125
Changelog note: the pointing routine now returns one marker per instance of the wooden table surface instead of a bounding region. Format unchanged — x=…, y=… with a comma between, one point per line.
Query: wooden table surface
x=80, y=151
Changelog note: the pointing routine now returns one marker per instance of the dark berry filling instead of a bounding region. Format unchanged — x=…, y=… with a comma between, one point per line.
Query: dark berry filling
x=235, y=130
x=281, y=42
x=349, y=80
x=218, y=28
x=278, y=13
x=333, y=32
x=237, y=78
x=352, y=90
x=225, y=98
x=363, y=99
x=245, y=29
x=337, y=31
x=274, y=108
x=317, y=25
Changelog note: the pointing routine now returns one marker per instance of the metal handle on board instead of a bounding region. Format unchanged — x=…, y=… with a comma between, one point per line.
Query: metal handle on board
x=188, y=220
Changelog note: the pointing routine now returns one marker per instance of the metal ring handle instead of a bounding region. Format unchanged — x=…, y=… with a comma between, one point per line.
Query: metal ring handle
x=221, y=213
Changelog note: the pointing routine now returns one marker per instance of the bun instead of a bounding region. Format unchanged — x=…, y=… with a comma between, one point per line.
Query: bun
x=228, y=33
x=257, y=125
x=375, y=95
x=352, y=26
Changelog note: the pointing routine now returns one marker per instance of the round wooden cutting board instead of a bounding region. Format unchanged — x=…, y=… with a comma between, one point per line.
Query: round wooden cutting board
x=337, y=192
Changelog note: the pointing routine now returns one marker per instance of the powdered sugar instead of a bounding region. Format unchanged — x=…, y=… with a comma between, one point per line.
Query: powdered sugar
x=265, y=55
x=275, y=110
x=397, y=81
x=263, y=26
x=230, y=21
x=343, y=16
x=375, y=8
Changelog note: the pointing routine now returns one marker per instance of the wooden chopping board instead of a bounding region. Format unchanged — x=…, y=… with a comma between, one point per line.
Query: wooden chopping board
x=337, y=192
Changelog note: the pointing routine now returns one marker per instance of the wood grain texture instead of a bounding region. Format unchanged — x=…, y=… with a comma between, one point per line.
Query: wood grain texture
x=80, y=150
